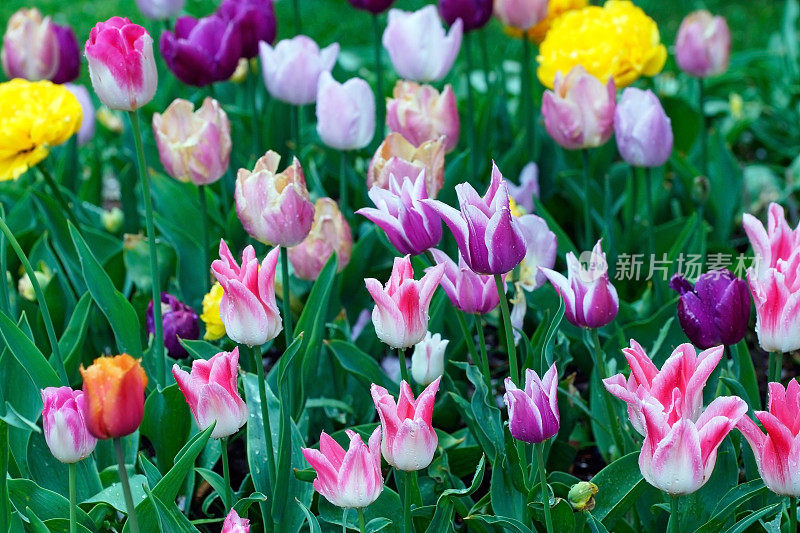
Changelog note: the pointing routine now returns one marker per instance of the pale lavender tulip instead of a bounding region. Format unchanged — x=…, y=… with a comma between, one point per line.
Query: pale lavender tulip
x=345, y=112
x=528, y=187
x=533, y=411
x=88, y=121
x=520, y=14
x=540, y=251
x=642, y=129
x=291, y=69
x=469, y=292
x=160, y=9
x=703, y=44
x=64, y=423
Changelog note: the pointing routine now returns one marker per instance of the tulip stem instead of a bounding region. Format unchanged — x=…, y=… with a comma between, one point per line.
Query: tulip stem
x=262, y=395
x=37, y=290
x=468, y=340
x=775, y=367
x=647, y=177
x=344, y=519
x=226, y=474
x=381, y=104
x=126, y=487
x=600, y=364
x=587, y=214
x=510, y=348
x=343, y=182
x=484, y=361
x=548, y=520
x=362, y=523
x=5, y=301
x=703, y=140
x=287, y=305
x=204, y=215
x=298, y=26
x=792, y=514
x=526, y=97
x=674, y=517
x=410, y=482
x=73, y=497
x=158, y=326
x=401, y=355
x=470, y=106
x=51, y=182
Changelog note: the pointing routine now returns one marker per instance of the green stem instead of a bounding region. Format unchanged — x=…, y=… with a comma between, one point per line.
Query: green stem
x=73, y=498
x=296, y=127
x=343, y=184
x=5, y=301
x=298, y=25
x=262, y=394
x=380, y=103
x=470, y=107
x=158, y=340
x=51, y=182
x=287, y=296
x=600, y=363
x=484, y=361
x=775, y=366
x=792, y=514
x=37, y=290
x=704, y=132
x=587, y=216
x=486, y=66
x=253, y=81
x=126, y=487
x=408, y=525
x=510, y=348
x=362, y=523
x=344, y=519
x=674, y=517
x=226, y=474
x=526, y=96
x=401, y=355
x=204, y=215
x=647, y=177
x=548, y=520
x=473, y=353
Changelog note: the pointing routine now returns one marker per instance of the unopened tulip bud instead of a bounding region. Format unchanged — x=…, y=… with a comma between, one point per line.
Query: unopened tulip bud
x=345, y=112
x=292, y=68
x=30, y=46
x=533, y=411
x=703, y=44
x=642, y=129
x=427, y=361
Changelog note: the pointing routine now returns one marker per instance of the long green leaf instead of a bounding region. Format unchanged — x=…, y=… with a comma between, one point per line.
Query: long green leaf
x=620, y=484
x=28, y=355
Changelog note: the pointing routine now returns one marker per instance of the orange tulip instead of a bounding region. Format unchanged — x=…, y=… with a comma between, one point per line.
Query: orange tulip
x=114, y=389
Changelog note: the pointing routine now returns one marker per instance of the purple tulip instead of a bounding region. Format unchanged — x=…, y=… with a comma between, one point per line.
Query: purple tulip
x=69, y=55
x=488, y=236
x=703, y=44
x=472, y=293
x=180, y=322
x=642, y=128
x=411, y=226
x=533, y=412
x=254, y=21
x=373, y=6
x=202, y=51
x=474, y=14
x=291, y=69
x=716, y=310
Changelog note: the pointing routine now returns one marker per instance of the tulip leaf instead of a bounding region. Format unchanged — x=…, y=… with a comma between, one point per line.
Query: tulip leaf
x=56, y=222
x=619, y=484
x=191, y=268
x=508, y=524
x=595, y=525
x=443, y=514
x=51, y=474
x=46, y=504
x=166, y=423
x=5, y=502
x=507, y=501
x=387, y=504
x=113, y=496
x=30, y=358
x=747, y=375
x=695, y=510
x=745, y=522
x=727, y=506
x=74, y=334
x=313, y=523
x=200, y=349
x=361, y=365
x=170, y=517
x=284, y=459
x=216, y=481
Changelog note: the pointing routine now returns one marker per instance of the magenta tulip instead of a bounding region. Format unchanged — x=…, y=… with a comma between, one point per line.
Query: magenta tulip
x=469, y=292
x=533, y=411
x=235, y=524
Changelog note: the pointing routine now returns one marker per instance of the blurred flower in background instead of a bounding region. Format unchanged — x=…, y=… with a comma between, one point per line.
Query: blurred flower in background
x=703, y=44
x=396, y=156
x=30, y=46
x=330, y=233
x=420, y=113
x=160, y=9
x=215, y=329
x=291, y=69
x=180, y=322
x=474, y=14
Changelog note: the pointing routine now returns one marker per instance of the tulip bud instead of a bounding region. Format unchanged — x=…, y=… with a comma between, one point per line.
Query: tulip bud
x=69, y=55
x=579, y=111
x=373, y=6
x=30, y=46
x=427, y=360
x=520, y=14
x=86, y=132
x=330, y=233
x=345, y=112
x=533, y=411
x=193, y=145
x=418, y=46
x=64, y=423
x=235, y=524
x=292, y=68
x=474, y=14
x=274, y=208
x=581, y=496
x=114, y=392
x=160, y=9
x=642, y=129
x=25, y=287
x=215, y=329
x=179, y=322
x=419, y=113
x=398, y=157
x=703, y=44
x=121, y=64
x=112, y=219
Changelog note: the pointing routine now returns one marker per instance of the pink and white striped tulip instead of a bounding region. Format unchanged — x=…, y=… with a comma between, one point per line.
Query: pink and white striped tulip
x=488, y=236
x=211, y=392
x=427, y=361
x=121, y=64
x=533, y=415
x=778, y=452
x=411, y=226
x=248, y=308
x=409, y=440
x=348, y=479
x=291, y=69
x=235, y=524
x=590, y=300
x=777, y=242
x=419, y=113
x=400, y=315
x=64, y=423
x=472, y=293
x=345, y=112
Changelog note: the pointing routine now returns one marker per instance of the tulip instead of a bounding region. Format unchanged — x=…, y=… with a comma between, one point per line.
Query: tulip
x=113, y=389
x=254, y=21
x=715, y=310
x=373, y=6
x=215, y=329
x=30, y=46
x=419, y=113
x=69, y=55
x=247, y=307
x=86, y=132
x=579, y=111
x=642, y=129
x=427, y=360
x=396, y=156
x=533, y=412
x=235, y=524
x=527, y=189
x=160, y=9
x=180, y=322
x=590, y=300
x=292, y=68
x=329, y=233
x=409, y=440
x=210, y=390
x=411, y=226
x=540, y=251
x=418, y=46
x=474, y=14
x=703, y=44
x=121, y=64
x=274, y=208
x=488, y=236
x=64, y=423
x=520, y=14
x=193, y=145
x=469, y=292
x=345, y=112
x=774, y=245
x=400, y=315
x=202, y=51
x=778, y=452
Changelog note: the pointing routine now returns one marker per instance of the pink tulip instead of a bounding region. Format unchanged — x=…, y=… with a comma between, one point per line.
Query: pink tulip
x=409, y=440
x=400, y=316
x=778, y=452
x=418, y=46
x=411, y=226
x=292, y=68
x=30, y=46
x=274, y=208
x=345, y=112
x=350, y=479
x=703, y=44
x=398, y=157
x=773, y=244
x=121, y=64
x=329, y=233
x=248, y=308
x=520, y=14
x=469, y=292
x=533, y=412
x=235, y=524
x=540, y=251
x=193, y=145
x=579, y=111
x=419, y=113
x=590, y=300
x=64, y=422
x=210, y=390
